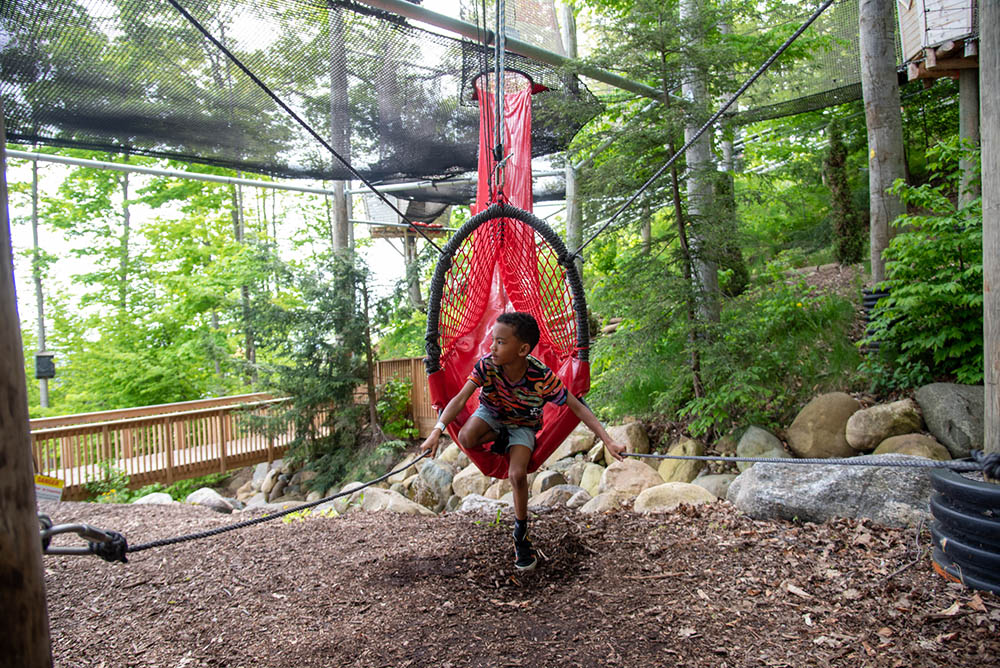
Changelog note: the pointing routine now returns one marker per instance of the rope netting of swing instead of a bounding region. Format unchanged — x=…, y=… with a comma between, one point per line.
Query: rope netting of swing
x=506, y=259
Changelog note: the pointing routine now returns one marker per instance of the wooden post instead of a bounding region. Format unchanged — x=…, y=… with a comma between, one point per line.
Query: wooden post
x=885, y=124
x=25, y=640
x=968, y=128
x=989, y=90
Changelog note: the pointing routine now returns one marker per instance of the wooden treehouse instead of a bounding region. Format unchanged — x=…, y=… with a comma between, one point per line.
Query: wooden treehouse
x=939, y=38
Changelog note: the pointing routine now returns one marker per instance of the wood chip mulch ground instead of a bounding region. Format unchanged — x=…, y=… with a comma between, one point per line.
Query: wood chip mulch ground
x=704, y=586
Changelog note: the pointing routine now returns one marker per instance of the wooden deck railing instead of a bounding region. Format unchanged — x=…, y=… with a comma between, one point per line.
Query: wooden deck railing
x=172, y=442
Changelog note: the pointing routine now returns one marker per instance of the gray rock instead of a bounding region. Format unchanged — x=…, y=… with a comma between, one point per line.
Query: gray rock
x=546, y=480
x=478, y=504
x=664, y=498
x=155, y=499
x=208, y=497
x=954, y=415
x=278, y=490
x=427, y=495
x=579, y=499
x=892, y=496
x=682, y=470
x=454, y=501
x=918, y=445
x=255, y=501
x=259, y=473
x=438, y=476
x=270, y=478
x=574, y=474
x=554, y=497
x=758, y=442
x=716, y=483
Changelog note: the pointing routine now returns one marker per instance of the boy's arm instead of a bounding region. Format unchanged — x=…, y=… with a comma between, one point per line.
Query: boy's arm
x=588, y=418
x=447, y=415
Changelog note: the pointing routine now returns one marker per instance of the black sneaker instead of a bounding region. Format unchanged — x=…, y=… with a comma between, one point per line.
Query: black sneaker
x=524, y=555
x=502, y=442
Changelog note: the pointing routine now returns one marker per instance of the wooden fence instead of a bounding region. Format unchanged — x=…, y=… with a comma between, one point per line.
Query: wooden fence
x=172, y=442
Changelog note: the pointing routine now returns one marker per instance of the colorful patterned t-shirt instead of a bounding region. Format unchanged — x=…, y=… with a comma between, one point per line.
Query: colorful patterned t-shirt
x=519, y=404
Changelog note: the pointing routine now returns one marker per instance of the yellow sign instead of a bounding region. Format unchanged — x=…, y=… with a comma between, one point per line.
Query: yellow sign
x=48, y=489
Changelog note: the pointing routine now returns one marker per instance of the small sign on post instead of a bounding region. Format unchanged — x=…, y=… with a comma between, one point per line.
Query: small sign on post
x=45, y=367
x=48, y=489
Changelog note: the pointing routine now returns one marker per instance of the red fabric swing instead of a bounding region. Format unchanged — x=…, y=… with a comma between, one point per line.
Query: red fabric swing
x=511, y=261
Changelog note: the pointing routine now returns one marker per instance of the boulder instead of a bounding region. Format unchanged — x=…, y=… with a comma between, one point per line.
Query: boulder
x=917, y=445
x=314, y=496
x=270, y=478
x=498, y=489
x=245, y=491
x=256, y=501
x=453, y=503
x=342, y=504
x=608, y=501
x=425, y=494
x=278, y=489
x=579, y=499
x=892, y=496
x=155, y=499
x=716, y=483
x=682, y=470
x=208, y=497
x=546, y=480
x=470, y=481
x=451, y=453
x=477, y=504
x=870, y=426
x=596, y=454
x=633, y=436
x=669, y=495
x=591, y=479
x=438, y=476
x=819, y=429
x=554, y=497
x=574, y=474
x=579, y=440
x=400, y=476
x=378, y=500
x=629, y=476
x=259, y=473
x=954, y=415
x=758, y=442
x=560, y=465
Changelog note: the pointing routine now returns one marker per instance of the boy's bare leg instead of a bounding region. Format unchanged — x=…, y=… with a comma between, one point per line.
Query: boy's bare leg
x=517, y=471
x=475, y=433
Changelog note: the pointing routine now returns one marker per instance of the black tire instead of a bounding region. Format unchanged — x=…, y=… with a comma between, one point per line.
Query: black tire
x=975, y=560
x=983, y=496
x=952, y=571
x=976, y=528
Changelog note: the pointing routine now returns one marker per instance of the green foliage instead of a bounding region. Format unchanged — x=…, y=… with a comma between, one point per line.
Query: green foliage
x=848, y=231
x=394, y=408
x=931, y=324
x=338, y=467
x=774, y=348
x=403, y=334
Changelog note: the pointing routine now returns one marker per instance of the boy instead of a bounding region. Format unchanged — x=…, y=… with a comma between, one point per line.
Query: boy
x=515, y=387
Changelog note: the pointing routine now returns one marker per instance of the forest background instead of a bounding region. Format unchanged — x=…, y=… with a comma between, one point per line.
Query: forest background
x=167, y=290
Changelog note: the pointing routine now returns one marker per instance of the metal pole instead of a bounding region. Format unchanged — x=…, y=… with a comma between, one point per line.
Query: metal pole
x=470, y=31
x=36, y=271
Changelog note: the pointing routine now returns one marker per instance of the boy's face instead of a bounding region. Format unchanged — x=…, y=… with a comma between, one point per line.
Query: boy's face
x=507, y=348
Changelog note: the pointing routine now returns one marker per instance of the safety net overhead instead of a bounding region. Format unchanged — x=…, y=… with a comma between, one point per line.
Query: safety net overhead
x=139, y=76
x=506, y=259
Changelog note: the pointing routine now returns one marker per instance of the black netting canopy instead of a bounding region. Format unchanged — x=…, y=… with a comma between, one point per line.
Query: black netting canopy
x=137, y=76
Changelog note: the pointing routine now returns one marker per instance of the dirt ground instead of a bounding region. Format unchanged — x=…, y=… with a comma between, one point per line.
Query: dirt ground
x=703, y=586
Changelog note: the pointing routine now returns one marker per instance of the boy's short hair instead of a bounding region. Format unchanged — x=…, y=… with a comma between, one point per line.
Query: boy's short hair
x=524, y=325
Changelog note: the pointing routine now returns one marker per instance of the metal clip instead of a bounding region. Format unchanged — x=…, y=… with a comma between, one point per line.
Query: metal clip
x=92, y=534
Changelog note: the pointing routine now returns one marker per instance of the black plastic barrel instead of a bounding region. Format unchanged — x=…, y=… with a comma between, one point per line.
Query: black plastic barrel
x=966, y=530
x=869, y=299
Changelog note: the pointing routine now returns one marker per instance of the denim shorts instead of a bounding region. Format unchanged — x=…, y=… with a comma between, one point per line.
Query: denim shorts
x=518, y=435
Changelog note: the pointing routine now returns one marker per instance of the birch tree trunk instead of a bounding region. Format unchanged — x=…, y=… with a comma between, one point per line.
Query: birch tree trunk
x=36, y=274
x=968, y=128
x=25, y=640
x=989, y=88
x=340, y=128
x=880, y=89
x=574, y=217
x=700, y=169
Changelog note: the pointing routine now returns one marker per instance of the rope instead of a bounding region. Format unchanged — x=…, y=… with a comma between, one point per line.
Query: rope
x=258, y=520
x=246, y=70
x=756, y=75
x=979, y=461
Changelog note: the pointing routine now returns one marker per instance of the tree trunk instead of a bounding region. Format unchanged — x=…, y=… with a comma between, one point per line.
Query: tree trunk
x=885, y=124
x=646, y=229
x=249, y=347
x=699, y=164
x=968, y=128
x=36, y=273
x=989, y=88
x=123, y=265
x=370, y=361
x=574, y=216
x=25, y=640
x=340, y=126
x=412, y=270
x=692, y=316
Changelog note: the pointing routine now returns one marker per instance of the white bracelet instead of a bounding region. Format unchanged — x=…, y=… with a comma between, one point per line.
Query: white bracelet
x=440, y=425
